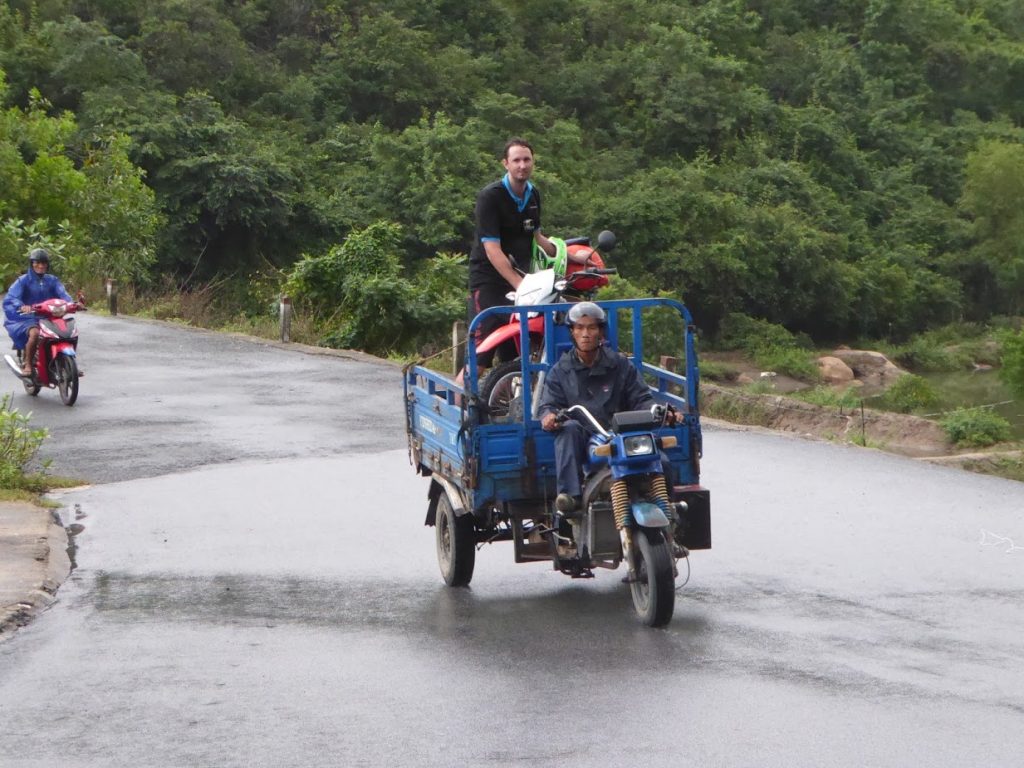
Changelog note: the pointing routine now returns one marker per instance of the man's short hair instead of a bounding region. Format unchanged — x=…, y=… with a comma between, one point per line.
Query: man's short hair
x=516, y=142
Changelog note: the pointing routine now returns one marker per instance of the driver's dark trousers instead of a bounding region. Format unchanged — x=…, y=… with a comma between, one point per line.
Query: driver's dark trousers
x=570, y=455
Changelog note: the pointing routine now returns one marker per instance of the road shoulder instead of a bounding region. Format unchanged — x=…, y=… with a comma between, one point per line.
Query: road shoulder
x=33, y=551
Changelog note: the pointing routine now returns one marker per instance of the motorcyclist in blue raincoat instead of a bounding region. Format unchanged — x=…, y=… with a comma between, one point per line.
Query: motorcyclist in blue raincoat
x=34, y=286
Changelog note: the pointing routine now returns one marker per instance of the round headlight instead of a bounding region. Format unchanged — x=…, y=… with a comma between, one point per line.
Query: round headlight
x=638, y=445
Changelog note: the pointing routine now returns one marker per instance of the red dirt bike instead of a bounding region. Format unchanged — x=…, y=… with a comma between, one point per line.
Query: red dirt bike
x=501, y=388
x=55, y=363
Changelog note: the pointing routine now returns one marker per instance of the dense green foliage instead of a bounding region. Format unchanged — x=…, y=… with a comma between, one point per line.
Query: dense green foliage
x=88, y=205
x=361, y=284
x=19, y=444
x=837, y=167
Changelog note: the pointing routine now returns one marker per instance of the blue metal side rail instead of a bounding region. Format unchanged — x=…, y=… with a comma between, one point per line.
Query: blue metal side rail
x=447, y=425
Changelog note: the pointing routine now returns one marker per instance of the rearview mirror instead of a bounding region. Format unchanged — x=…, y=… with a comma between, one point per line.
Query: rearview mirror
x=605, y=240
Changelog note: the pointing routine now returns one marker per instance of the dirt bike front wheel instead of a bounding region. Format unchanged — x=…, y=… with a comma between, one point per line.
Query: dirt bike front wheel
x=502, y=393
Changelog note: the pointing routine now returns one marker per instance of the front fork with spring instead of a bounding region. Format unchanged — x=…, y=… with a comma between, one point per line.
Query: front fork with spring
x=624, y=522
x=624, y=518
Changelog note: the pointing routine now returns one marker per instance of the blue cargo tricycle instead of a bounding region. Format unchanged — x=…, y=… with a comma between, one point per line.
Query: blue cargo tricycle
x=492, y=467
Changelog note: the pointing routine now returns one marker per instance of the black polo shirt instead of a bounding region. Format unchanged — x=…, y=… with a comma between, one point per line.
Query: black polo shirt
x=512, y=222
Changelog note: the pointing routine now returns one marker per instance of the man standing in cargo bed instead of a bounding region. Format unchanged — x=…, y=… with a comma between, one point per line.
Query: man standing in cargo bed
x=507, y=226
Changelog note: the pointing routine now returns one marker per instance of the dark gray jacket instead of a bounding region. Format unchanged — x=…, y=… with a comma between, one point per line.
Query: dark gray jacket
x=611, y=385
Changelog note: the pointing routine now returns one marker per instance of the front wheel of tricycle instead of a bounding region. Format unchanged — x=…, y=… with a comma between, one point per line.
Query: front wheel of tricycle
x=456, y=544
x=654, y=594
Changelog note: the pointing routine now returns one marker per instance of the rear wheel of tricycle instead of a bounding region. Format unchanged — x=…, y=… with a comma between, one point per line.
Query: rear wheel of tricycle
x=654, y=594
x=456, y=544
x=67, y=378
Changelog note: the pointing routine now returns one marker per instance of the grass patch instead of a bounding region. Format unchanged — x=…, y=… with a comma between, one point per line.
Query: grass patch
x=1003, y=466
x=856, y=438
x=714, y=370
x=829, y=397
x=737, y=409
x=790, y=361
x=975, y=427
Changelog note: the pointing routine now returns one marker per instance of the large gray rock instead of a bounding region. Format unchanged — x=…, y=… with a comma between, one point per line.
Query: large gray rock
x=834, y=371
x=873, y=368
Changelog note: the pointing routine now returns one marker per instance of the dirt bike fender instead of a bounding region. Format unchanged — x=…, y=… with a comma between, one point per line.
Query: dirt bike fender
x=509, y=331
x=648, y=515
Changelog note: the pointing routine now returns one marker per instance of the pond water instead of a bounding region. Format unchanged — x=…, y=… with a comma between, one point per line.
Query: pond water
x=971, y=388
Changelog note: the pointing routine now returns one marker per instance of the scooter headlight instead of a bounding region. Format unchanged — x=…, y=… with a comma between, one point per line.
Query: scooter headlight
x=58, y=310
x=638, y=445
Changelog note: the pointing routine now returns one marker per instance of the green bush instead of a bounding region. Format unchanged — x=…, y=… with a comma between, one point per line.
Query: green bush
x=925, y=353
x=975, y=427
x=1012, y=359
x=909, y=393
x=368, y=300
x=738, y=331
x=19, y=444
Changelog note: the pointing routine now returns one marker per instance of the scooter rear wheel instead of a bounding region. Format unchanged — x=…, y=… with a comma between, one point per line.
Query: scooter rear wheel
x=67, y=378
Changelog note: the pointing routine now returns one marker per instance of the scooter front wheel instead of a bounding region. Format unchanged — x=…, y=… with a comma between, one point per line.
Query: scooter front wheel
x=67, y=378
x=654, y=594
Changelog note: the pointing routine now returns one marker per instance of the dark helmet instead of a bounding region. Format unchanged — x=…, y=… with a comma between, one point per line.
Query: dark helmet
x=39, y=254
x=585, y=309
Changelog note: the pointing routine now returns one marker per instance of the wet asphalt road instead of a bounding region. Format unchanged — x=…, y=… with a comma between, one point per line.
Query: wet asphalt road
x=284, y=609
x=159, y=398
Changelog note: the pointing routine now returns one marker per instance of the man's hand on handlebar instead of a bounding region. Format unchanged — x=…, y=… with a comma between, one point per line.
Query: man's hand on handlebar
x=671, y=416
x=551, y=422
x=24, y=309
x=665, y=415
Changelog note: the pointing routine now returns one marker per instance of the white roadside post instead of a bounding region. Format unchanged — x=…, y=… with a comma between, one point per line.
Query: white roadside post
x=286, y=319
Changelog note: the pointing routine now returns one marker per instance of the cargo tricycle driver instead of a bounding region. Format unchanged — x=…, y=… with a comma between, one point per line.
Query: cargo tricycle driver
x=592, y=375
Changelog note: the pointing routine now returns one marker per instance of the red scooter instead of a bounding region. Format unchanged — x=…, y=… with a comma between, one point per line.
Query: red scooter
x=55, y=363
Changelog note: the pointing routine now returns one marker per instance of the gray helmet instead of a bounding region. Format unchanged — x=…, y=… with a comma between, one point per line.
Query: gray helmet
x=39, y=254
x=585, y=309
